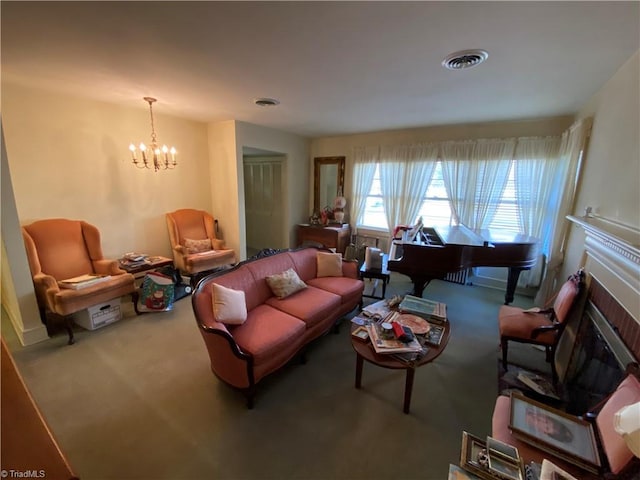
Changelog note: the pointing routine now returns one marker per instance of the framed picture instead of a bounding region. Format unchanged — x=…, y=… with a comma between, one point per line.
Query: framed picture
x=473, y=455
x=360, y=333
x=554, y=431
x=504, y=460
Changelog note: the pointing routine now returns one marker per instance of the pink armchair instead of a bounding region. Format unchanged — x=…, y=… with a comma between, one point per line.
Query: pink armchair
x=194, y=244
x=58, y=249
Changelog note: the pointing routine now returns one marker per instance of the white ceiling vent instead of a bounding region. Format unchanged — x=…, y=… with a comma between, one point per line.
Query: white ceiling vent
x=464, y=59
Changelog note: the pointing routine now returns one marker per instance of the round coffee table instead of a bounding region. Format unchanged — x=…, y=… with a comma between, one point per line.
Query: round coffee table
x=364, y=351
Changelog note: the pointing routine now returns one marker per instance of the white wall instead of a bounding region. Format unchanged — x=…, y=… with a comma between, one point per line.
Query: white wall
x=611, y=176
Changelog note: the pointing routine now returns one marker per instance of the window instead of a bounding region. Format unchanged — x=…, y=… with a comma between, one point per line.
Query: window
x=436, y=209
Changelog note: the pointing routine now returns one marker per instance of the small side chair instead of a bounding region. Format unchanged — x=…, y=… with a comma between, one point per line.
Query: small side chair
x=540, y=326
x=58, y=249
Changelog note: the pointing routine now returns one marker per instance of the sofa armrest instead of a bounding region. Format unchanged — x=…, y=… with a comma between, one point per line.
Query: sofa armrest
x=228, y=361
x=350, y=268
x=180, y=250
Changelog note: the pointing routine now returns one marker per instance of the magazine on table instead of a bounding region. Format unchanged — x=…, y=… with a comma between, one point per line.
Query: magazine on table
x=391, y=345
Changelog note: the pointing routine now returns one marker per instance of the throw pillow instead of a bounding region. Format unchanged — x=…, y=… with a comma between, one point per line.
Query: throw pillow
x=197, y=246
x=329, y=264
x=286, y=283
x=229, y=306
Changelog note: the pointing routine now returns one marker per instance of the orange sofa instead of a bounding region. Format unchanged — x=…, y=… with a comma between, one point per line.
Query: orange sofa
x=274, y=329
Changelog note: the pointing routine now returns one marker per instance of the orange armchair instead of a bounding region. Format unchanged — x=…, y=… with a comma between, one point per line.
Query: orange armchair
x=58, y=249
x=194, y=244
x=542, y=327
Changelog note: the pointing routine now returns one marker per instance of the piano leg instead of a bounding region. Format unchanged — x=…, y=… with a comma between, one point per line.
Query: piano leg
x=419, y=284
x=512, y=281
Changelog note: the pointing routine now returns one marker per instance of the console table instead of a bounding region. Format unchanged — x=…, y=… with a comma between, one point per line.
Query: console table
x=331, y=236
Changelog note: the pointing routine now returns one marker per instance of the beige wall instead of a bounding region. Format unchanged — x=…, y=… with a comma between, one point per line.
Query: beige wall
x=69, y=158
x=611, y=177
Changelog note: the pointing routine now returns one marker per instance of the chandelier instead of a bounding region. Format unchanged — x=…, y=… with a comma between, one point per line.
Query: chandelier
x=153, y=156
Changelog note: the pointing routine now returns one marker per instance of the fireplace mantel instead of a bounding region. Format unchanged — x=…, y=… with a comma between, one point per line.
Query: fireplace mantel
x=613, y=252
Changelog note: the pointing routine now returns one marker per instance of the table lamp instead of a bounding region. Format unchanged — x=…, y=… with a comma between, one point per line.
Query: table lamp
x=626, y=422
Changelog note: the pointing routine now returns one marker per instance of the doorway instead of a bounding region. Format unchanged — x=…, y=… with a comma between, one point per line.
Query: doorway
x=263, y=200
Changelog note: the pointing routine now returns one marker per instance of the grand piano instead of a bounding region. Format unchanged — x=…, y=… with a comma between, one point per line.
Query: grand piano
x=437, y=251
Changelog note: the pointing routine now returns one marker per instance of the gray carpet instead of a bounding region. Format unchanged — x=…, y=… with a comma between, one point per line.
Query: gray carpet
x=136, y=400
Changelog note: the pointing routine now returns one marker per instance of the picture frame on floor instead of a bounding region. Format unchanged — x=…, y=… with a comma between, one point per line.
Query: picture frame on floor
x=554, y=431
x=473, y=455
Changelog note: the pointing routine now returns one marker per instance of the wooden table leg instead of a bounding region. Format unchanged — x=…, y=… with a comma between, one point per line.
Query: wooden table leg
x=408, y=388
x=359, y=365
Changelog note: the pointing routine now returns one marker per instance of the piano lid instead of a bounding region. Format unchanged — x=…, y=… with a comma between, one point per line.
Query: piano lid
x=460, y=235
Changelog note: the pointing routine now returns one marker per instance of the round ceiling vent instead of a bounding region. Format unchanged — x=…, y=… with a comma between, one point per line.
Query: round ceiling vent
x=266, y=102
x=464, y=59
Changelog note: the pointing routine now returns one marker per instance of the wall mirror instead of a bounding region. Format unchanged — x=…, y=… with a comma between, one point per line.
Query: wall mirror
x=328, y=179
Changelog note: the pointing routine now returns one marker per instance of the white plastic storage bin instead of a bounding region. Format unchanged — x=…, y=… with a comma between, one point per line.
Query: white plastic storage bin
x=99, y=315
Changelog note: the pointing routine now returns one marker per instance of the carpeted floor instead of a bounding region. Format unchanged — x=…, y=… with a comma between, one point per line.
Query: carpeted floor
x=136, y=400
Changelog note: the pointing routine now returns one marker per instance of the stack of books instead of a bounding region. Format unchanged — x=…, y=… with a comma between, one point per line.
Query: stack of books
x=132, y=260
x=430, y=310
x=83, y=281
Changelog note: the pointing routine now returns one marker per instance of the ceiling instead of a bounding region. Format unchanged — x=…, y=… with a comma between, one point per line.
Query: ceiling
x=336, y=67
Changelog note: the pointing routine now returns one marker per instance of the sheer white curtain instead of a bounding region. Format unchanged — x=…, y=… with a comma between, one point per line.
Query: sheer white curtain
x=405, y=172
x=561, y=200
x=364, y=168
x=537, y=158
x=475, y=174
x=494, y=160
x=459, y=177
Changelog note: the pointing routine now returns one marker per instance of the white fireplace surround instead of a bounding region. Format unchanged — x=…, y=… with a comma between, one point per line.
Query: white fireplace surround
x=613, y=258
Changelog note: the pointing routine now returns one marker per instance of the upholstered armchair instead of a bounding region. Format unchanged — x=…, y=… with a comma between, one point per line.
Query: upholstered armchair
x=59, y=249
x=194, y=244
x=540, y=326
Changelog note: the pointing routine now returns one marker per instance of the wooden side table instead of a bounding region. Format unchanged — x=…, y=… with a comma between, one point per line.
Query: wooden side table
x=331, y=236
x=152, y=263
x=377, y=274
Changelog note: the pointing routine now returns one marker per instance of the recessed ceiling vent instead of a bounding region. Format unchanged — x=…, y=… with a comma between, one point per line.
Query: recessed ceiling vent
x=464, y=59
x=266, y=102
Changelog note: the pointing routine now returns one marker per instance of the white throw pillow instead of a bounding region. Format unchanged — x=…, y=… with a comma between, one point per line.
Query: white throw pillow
x=197, y=246
x=329, y=264
x=286, y=283
x=229, y=306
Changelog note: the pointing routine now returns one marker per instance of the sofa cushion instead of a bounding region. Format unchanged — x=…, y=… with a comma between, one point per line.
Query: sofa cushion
x=614, y=446
x=349, y=289
x=197, y=246
x=286, y=283
x=329, y=264
x=311, y=305
x=267, y=334
x=229, y=306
